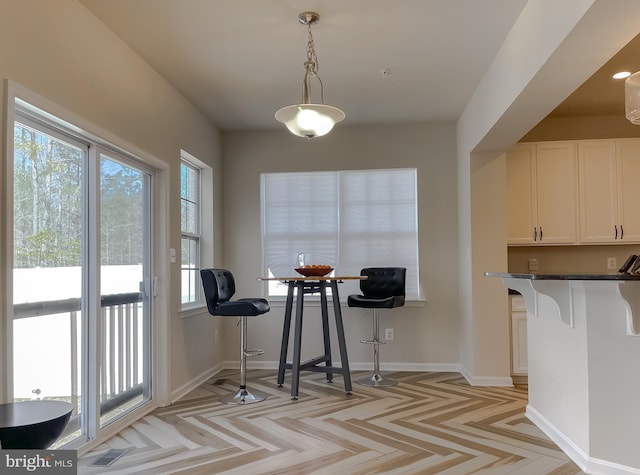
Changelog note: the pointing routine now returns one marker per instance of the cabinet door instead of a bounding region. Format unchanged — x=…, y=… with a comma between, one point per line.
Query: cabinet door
x=556, y=192
x=628, y=154
x=521, y=201
x=519, y=360
x=599, y=222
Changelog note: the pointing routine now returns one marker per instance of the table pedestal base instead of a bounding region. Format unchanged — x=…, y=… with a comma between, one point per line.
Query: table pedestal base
x=321, y=363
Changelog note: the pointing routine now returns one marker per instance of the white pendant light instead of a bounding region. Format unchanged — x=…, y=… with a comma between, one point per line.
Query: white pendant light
x=632, y=98
x=307, y=119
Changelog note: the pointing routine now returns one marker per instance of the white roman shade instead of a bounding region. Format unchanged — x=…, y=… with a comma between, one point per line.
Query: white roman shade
x=347, y=219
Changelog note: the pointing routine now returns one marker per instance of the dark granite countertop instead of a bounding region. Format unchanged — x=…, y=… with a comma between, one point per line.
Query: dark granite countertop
x=577, y=276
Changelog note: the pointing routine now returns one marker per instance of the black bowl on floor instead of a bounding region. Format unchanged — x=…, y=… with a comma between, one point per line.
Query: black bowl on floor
x=32, y=424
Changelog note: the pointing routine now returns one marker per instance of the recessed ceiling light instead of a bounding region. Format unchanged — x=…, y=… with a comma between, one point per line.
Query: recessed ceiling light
x=621, y=75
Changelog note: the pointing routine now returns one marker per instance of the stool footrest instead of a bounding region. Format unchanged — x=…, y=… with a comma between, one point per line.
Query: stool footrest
x=374, y=342
x=253, y=352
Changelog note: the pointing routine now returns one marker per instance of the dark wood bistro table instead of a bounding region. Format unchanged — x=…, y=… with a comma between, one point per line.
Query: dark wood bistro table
x=310, y=285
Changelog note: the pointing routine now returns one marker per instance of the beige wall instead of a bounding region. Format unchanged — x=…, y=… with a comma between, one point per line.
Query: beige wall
x=580, y=128
x=587, y=259
x=491, y=335
x=426, y=334
x=61, y=52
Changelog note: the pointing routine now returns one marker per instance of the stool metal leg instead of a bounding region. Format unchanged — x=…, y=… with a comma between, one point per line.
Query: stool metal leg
x=376, y=379
x=243, y=395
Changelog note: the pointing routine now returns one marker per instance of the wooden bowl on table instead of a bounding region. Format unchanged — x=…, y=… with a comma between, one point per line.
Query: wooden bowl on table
x=314, y=270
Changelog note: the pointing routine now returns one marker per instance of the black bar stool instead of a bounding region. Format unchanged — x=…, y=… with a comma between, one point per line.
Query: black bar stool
x=219, y=286
x=383, y=288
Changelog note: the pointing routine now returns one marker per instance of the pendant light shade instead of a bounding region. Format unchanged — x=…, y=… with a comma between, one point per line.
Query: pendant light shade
x=308, y=119
x=632, y=98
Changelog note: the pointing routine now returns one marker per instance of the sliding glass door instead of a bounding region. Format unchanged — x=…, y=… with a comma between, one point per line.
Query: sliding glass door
x=81, y=276
x=48, y=267
x=124, y=287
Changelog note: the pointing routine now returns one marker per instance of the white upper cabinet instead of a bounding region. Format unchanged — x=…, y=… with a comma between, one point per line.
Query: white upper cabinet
x=521, y=200
x=628, y=168
x=609, y=171
x=599, y=221
x=542, y=193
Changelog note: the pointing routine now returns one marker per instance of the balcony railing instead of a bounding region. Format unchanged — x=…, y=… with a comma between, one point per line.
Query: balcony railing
x=121, y=345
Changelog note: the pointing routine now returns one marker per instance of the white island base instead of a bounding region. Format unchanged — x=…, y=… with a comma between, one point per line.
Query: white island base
x=584, y=365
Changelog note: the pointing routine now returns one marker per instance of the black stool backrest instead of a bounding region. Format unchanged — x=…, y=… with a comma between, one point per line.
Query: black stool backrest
x=383, y=282
x=219, y=286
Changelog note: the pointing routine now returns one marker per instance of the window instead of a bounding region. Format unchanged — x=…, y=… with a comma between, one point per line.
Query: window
x=190, y=227
x=347, y=219
x=196, y=225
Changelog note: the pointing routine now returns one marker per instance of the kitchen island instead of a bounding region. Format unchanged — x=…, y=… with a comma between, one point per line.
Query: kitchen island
x=583, y=337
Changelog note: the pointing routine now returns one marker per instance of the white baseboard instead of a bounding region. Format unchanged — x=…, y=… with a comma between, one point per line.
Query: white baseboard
x=599, y=466
x=574, y=452
x=580, y=458
x=189, y=386
x=505, y=381
x=359, y=366
x=418, y=367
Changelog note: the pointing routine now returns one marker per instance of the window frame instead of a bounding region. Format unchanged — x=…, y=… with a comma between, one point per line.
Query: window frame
x=280, y=258
x=204, y=235
x=191, y=237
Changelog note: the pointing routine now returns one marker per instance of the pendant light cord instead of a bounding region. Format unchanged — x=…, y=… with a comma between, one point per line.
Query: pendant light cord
x=312, y=66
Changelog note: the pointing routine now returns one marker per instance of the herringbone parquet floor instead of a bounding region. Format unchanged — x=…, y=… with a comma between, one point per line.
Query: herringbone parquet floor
x=431, y=423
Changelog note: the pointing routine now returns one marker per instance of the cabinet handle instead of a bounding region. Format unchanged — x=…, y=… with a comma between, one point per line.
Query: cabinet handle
x=535, y=234
x=621, y=232
x=540, y=233
x=616, y=229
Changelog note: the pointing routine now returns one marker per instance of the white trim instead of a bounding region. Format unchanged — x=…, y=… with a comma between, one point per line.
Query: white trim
x=359, y=366
x=120, y=424
x=193, y=309
x=205, y=233
x=161, y=330
x=192, y=384
x=78, y=124
x=486, y=380
x=91, y=327
x=596, y=465
x=113, y=428
x=575, y=453
x=160, y=346
x=6, y=260
x=314, y=301
x=417, y=367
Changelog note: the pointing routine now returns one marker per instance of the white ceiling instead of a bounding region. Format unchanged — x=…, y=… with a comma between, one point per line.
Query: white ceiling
x=601, y=94
x=239, y=61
